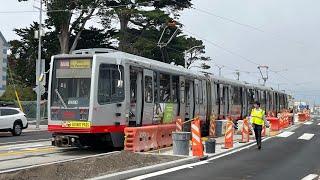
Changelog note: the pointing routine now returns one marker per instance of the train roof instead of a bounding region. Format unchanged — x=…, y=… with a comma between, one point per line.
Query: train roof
x=153, y=64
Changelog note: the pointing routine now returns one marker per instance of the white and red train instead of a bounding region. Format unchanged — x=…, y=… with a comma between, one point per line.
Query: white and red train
x=95, y=93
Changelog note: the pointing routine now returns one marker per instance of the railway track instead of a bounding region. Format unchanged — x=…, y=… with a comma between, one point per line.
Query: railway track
x=26, y=155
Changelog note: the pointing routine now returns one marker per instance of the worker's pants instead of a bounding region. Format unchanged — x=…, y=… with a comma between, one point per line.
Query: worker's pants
x=257, y=132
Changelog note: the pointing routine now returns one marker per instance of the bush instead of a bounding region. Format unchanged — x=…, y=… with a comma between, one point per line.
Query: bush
x=25, y=94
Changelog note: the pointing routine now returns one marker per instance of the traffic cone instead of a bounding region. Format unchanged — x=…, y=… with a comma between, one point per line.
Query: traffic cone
x=245, y=131
x=263, y=132
x=228, y=138
x=212, y=130
x=179, y=124
x=197, y=146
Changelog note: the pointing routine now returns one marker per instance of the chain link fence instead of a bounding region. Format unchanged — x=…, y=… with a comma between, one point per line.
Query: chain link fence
x=30, y=109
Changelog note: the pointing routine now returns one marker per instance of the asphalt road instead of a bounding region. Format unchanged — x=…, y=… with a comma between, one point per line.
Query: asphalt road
x=7, y=138
x=292, y=156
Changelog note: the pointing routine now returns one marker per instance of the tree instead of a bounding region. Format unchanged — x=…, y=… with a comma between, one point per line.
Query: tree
x=138, y=17
x=195, y=52
x=69, y=17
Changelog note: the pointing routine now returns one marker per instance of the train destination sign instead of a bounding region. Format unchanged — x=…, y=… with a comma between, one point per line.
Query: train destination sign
x=80, y=64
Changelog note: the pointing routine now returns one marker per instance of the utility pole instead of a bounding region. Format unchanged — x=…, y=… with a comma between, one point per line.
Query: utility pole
x=38, y=64
x=220, y=69
x=264, y=75
x=238, y=75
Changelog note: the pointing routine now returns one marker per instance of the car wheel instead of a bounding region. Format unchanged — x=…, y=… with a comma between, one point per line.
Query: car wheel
x=17, y=129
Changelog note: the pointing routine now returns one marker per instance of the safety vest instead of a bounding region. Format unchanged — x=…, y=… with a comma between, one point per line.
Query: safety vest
x=257, y=116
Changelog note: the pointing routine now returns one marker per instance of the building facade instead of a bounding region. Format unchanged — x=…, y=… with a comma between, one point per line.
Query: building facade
x=3, y=63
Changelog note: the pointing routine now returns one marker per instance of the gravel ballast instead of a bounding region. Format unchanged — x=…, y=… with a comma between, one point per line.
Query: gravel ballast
x=89, y=167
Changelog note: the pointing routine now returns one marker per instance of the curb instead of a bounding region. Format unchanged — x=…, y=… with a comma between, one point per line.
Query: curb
x=146, y=170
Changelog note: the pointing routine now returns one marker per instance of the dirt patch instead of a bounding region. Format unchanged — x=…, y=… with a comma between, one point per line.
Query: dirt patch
x=88, y=168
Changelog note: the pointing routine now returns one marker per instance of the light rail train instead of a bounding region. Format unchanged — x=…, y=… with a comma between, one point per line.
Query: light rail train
x=95, y=93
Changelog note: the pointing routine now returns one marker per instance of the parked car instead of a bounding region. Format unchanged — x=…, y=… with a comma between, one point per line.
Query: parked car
x=12, y=120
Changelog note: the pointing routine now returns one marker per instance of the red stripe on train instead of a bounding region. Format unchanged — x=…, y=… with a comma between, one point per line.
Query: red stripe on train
x=92, y=129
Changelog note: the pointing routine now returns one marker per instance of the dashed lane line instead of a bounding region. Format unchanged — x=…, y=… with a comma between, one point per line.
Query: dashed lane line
x=308, y=123
x=285, y=134
x=306, y=136
x=310, y=177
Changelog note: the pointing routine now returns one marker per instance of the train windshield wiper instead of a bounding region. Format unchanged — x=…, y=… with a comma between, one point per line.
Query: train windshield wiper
x=60, y=98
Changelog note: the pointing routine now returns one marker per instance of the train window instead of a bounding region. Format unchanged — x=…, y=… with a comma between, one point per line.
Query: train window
x=164, y=88
x=148, y=92
x=217, y=93
x=156, y=85
x=200, y=92
x=237, y=95
x=175, y=88
x=108, y=89
x=251, y=96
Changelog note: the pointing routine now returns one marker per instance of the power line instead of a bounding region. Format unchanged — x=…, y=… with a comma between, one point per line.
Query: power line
x=224, y=49
x=248, y=26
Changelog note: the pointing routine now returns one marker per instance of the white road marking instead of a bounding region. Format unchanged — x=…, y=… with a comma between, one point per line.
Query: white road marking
x=306, y=136
x=285, y=134
x=318, y=124
x=185, y=166
x=308, y=123
x=310, y=177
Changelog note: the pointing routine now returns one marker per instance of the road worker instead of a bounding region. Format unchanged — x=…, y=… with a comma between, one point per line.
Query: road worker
x=257, y=120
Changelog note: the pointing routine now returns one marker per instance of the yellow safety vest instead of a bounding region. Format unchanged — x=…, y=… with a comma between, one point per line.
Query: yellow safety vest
x=257, y=116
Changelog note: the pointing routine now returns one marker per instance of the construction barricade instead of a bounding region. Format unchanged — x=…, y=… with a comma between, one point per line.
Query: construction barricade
x=164, y=135
x=228, y=138
x=274, y=123
x=139, y=139
x=197, y=146
x=245, y=131
x=212, y=129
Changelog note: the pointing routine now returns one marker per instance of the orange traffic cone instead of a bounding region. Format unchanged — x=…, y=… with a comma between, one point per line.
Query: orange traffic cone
x=263, y=132
x=197, y=147
x=245, y=131
x=212, y=130
x=228, y=138
x=179, y=124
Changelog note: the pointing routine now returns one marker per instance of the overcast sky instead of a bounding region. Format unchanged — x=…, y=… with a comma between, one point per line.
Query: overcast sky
x=239, y=35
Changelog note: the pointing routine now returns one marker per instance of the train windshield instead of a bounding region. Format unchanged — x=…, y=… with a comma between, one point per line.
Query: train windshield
x=71, y=81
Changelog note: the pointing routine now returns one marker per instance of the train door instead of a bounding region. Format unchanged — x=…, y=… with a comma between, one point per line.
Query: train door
x=203, y=99
x=182, y=87
x=148, y=104
x=196, y=96
x=244, y=102
x=221, y=101
x=226, y=97
x=189, y=91
x=135, y=115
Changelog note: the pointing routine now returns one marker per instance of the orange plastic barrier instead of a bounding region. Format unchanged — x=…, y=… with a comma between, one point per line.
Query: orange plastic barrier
x=197, y=146
x=302, y=117
x=228, y=138
x=245, y=131
x=212, y=129
x=139, y=139
x=164, y=135
x=179, y=124
x=274, y=123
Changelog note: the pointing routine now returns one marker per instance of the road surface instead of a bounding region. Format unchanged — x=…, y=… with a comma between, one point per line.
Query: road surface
x=7, y=138
x=291, y=155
